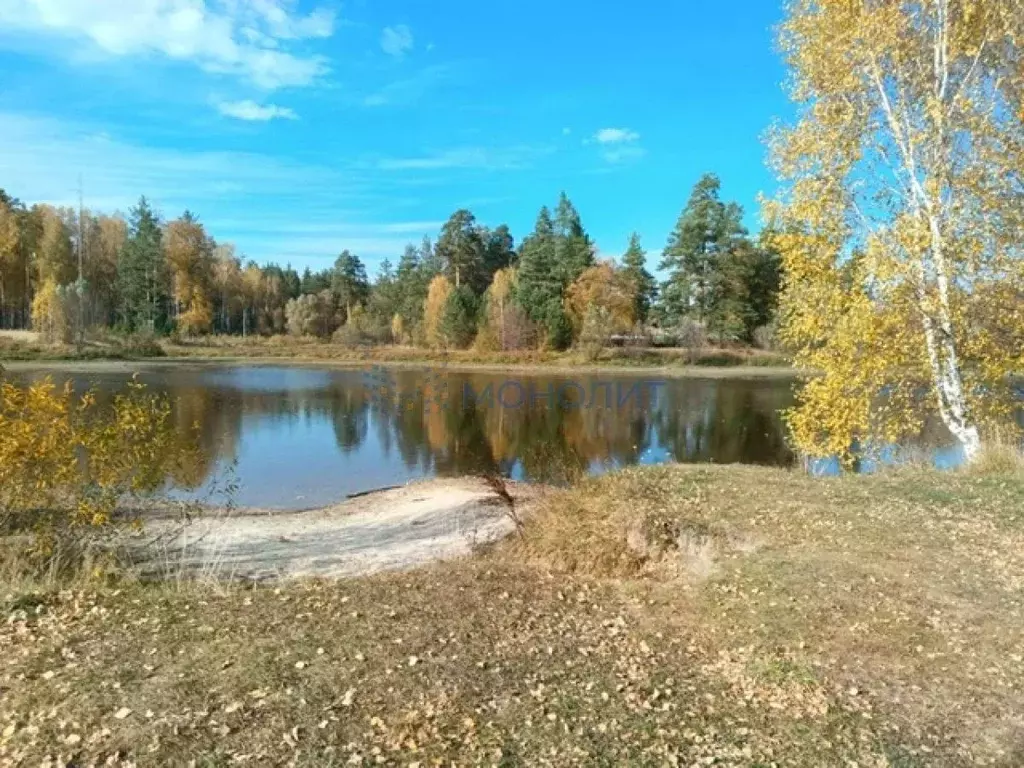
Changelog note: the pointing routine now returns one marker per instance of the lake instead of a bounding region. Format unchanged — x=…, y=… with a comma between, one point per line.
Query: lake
x=300, y=437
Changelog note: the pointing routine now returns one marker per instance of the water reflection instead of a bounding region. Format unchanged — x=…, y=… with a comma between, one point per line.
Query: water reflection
x=301, y=437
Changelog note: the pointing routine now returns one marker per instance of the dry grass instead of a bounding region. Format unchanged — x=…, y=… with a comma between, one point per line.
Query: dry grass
x=289, y=347
x=1003, y=453
x=907, y=587
x=676, y=615
x=22, y=337
x=22, y=348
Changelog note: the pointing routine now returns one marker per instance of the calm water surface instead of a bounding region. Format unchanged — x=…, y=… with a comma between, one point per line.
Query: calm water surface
x=295, y=438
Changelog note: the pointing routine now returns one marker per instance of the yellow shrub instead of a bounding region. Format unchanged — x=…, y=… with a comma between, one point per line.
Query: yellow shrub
x=67, y=464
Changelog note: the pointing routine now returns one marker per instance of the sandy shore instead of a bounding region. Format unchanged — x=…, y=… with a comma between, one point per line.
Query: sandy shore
x=386, y=530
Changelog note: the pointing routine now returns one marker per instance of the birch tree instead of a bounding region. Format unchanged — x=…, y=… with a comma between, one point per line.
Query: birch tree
x=189, y=253
x=901, y=220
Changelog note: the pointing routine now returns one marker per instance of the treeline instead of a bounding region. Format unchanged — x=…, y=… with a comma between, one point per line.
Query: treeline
x=61, y=271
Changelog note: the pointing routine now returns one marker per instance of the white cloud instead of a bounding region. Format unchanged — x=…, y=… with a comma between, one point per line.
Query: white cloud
x=250, y=110
x=411, y=89
x=272, y=208
x=623, y=154
x=43, y=158
x=396, y=41
x=243, y=38
x=475, y=158
x=616, y=136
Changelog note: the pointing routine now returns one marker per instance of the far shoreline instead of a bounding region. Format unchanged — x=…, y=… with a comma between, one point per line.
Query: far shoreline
x=556, y=368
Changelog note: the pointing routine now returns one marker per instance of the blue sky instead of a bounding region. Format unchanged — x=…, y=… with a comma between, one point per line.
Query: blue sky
x=296, y=128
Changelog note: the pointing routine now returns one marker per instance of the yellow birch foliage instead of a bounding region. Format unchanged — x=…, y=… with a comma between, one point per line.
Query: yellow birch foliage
x=49, y=314
x=190, y=255
x=606, y=287
x=901, y=218
x=397, y=329
x=433, y=310
x=497, y=303
x=66, y=462
x=54, y=259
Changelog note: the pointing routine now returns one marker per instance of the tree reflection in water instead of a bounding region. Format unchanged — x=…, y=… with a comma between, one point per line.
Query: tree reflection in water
x=423, y=423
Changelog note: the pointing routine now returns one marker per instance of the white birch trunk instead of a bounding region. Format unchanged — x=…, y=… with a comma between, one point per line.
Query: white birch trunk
x=940, y=340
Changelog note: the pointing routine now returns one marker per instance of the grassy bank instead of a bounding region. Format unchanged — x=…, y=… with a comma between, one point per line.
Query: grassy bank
x=286, y=347
x=23, y=347
x=676, y=615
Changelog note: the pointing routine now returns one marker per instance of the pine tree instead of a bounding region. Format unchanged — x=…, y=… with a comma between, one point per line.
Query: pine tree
x=540, y=286
x=574, y=249
x=461, y=249
x=499, y=250
x=765, y=282
x=292, y=282
x=705, y=239
x=384, y=296
x=431, y=261
x=142, y=274
x=634, y=267
x=410, y=288
x=538, y=281
x=349, y=282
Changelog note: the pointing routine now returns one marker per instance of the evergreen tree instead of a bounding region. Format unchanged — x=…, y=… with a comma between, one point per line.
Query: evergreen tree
x=410, y=288
x=461, y=250
x=292, y=283
x=432, y=263
x=703, y=281
x=499, y=250
x=349, y=282
x=458, y=320
x=574, y=251
x=315, y=282
x=540, y=285
x=634, y=267
x=384, y=297
x=142, y=274
x=765, y=282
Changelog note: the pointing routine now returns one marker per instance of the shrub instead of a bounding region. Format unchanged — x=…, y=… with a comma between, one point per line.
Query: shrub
x=311, y=314
x=350, y=335
x=597, y=328
x=691, y=334
x=765, y=337
x=67, y=466
x=558, y=327
x=142, y=345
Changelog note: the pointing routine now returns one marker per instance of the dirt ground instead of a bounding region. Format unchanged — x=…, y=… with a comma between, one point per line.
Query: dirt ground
x=677, y=615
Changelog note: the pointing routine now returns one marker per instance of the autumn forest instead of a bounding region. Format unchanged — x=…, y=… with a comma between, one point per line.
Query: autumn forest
x=65, y=272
